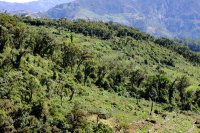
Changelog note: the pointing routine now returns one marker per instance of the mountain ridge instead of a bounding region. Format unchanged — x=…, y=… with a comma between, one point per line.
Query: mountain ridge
x=160, y=18
x=34, y=6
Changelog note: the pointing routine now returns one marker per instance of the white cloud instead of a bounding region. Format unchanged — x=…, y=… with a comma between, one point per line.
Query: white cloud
x=18, y=1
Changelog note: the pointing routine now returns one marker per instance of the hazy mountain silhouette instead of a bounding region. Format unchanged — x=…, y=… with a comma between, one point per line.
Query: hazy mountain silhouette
x=172, y=18
x=34, y=6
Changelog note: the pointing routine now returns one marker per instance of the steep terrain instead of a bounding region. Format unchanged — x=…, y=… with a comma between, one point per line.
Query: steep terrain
x=81, y=76
x=158, y=17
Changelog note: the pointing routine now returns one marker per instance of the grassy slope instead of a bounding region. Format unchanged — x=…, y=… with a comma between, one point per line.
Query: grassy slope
x=142, y=51
x=121, y=109
x=125, y=111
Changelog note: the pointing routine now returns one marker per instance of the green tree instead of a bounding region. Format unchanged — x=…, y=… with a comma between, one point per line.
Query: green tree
x=43, y=44
x=137, y=77
x=19, y=35
x=89, y=70
x=157, y=88
x=71, y=38
x=32, y=87
x=171, y=91
x=101, y=73
x=77, y=120
x=197, y=97
x=70, y=56
x=6, y=123
x=182, y=83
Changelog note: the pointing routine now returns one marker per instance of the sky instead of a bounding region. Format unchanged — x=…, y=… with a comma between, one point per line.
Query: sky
x=18, y=1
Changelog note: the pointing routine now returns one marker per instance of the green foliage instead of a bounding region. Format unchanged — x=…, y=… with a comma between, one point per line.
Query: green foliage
x=77, y=121
x=44, y=71
x=8, y=21
x=194, y=45
x=101, y=128
x=19, y=35
x=70, y=56
x=137, y=78
x=157, y=87
x=4, y=38
x=183, y=50
x=6, y=123
x=43, y=43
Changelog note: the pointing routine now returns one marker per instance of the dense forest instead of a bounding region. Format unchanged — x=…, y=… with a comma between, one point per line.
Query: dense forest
x=56, y=75
x=194, y=45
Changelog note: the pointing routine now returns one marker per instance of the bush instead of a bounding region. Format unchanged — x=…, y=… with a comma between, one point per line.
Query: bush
x=102, y=128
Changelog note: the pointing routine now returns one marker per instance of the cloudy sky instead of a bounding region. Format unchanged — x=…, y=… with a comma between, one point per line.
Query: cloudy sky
x=18, y=1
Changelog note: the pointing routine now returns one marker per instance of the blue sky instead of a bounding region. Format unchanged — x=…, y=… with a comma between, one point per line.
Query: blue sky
x=18, y=1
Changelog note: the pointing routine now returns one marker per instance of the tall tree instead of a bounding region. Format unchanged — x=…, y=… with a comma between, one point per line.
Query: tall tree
x=137, y=77
x=4, y=37
x=171, y=91
x=89, y=69
x=44, y=43
x=157, y=87
x=70, y=55
x=181, y=84
x=19, y=35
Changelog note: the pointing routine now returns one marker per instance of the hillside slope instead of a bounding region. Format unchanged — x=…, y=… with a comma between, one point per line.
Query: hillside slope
x=82, y=76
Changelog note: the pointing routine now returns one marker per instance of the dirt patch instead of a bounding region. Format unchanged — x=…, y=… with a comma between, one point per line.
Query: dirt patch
x=138, y=125
x=112, y=122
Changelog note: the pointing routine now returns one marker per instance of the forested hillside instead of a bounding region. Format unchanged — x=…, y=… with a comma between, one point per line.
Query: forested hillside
x=83, y=77
x=194, y=45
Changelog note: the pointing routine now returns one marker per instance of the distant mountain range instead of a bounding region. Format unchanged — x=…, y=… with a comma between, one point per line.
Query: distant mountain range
x=34, y=6
x=170, y=18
